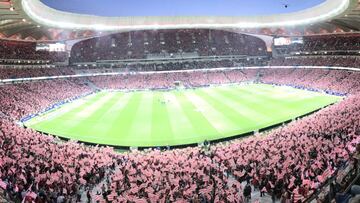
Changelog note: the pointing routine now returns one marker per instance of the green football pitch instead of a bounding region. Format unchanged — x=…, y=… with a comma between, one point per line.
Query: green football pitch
x=177, y=117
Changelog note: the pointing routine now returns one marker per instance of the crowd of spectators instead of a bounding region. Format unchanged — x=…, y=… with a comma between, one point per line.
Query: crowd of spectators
x=338, y=61
x=35, y=166
x=141, y=44
x=323, y=79
x=20, y=99
x=27, y=51
x=172, y=65
x=288, y=163
x=328, y=43
x=331, y=80
x=28, y=71
x=24, y=71
x=339, y=44
x=170, y=79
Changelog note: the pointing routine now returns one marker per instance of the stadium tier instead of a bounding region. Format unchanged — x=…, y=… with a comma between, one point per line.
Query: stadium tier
x=179, y=101
x=29, y=71
x=336, y=61
x=330, y=43
x=20, y=52
x=167, y=44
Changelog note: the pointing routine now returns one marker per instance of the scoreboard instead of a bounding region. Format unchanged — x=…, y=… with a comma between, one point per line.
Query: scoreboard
x=286, y=41
x=52, y=47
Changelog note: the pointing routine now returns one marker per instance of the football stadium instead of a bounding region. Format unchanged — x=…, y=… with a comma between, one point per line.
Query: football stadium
x=180, y=101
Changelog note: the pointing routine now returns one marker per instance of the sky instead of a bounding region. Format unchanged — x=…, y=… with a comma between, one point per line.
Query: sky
x=123, y=8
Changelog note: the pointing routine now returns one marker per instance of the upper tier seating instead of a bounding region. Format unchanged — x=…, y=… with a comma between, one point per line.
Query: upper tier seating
x=27, y=51
x=166, y=43
x=329, y=43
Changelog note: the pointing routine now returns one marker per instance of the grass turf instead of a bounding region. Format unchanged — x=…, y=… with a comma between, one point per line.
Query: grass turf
x=177, y=117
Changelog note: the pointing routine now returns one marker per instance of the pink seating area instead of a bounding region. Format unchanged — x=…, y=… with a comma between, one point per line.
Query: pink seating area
x=34, y=162
x=166, y=80
x=21, y=99
x=341, y=81
x=24, y=71
x=33, y=71
x=291, y=161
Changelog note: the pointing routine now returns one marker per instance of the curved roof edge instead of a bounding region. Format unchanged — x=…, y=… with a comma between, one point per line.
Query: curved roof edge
x=45, y=15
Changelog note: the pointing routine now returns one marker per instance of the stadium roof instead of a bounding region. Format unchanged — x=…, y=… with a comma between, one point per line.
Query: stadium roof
x=139, y=8
x=34, y=20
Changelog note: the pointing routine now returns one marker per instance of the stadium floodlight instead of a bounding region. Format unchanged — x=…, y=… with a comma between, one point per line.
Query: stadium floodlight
x=43, y=14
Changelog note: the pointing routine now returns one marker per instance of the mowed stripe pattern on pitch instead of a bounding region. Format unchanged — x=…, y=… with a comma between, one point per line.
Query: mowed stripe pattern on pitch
x=177, y=117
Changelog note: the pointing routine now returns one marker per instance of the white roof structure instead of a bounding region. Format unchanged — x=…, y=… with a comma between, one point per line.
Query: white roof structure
x=42, y=14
